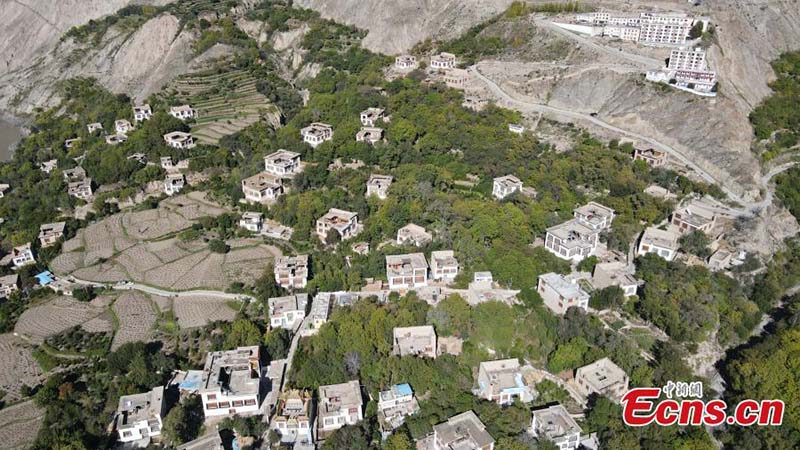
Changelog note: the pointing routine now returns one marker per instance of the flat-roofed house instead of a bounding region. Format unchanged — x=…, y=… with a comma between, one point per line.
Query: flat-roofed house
x=74, y=174
x=501, y=382
x=719, y=260
x=316, y=133
x=231, y=381
x=370, y=135
x=339, y=405
x=456, y=78
x=139, y=416
x=49, y=166
x=179, y=139
x=262, y=188
x=413, y=234
x=371, y=115
x=405, y=62
x=406, y=271
x=615, y=273
x=595, y=216
x=560, y=293
x=252, y=221
x=291, y=272
x=461, y=432
x=571, y=240
x=69, y=143
x=173, y=183
x=443, y=61
x=22, y=255
x=123, y=126
x=142, y=113
x=8, y=285
x=556, y=425
x=444, y=265
x=394, y=405
x=602, y=377
x=50, y=233
x=449, y=345
x=293, y=418
x=94, y=126
x=318, y=315
x=287, y=312
x=166, y=163
x=663, y=243
x=693, y=217
x=182, y=112
x=80, y=189
x=115, y=139
x=343, y=222
x=516, y=128
x=653, y=157
x=378, y=185
x=414, y=341
x=282, y=163
x=504, y=186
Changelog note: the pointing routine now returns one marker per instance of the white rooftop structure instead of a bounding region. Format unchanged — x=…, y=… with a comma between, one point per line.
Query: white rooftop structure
x=49, y=166
x=343, y=222
x=142, y=112
x=378, y=185
x=370, y=135
x=291, y=272
x=287, y=312
x=370, y=116
x=602, y=377
x=414, y=341
x=443, y=60
x=22, y=255
x=594, y=215
x=179, y=139
x=444, y=265
x=122, y=126
x=282, y=163
x=182, y=112
x=571, y=240
x=80, y=189
x=504, y=186
x=252, y=221
x=663, y=243
x=405, y=62
x=462, y=432
x=413, y=234
x=406, y=271
x=560, y=293
x=501, y=381
x=262, y=188
x=395, y=404
x=50, y=233
x=615, y=273
x=231, y=382
x=139, y=416
x=339, y=405
x=556, y=425
x=94, y=126
x=317, y=133
x=173, y=183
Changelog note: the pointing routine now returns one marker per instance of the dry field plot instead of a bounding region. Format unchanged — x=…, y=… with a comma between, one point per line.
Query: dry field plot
x=17, y=367
x=136, y=318
x=55, y=316
x=19, y=425
x=198, y=311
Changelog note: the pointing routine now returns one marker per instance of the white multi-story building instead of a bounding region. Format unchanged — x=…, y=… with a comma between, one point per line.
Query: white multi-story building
x=291, y=272
x=615, y=273
x=370, y=135
x=173, y=183
x=370, y=116
x=231, y=381
x=663, y=243
x=293, y=418
x=262, y=188
x=687, y=69
x=414, y=341
x=663, y=33
x=653, y=157
x=80, y=189
x=252, y=221
x=444, y=265
x=282, y=163
x=74, y=174
x=571, y=240
x=394, y=405
x=50, y=233
x=122, y=126
x=556, y=425
x=413, y=234
x=405, y=62
x=339, y=405
x=463, y=431
x=443, y=61
x=456, y=78
x=317, y=133
x=166, y=163
x=561, y=293
x=687, y=59
x=693, y=217
x=22, y=255
x=378, y=185
x=502, y=187
x=501, y=382
x=8, y=285
x=595, y=216
x=406, y=271
x=343, y=222
x=179, y=139
x=142, y=113
x=139, y=416
x=318, y=315
x=95, y=126
x=182, y=112
x=287, y=312
x=602, y=377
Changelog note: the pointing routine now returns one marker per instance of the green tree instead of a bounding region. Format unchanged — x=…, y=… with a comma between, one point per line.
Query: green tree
x=242, y=333
x=183, y=422
x=608, y=297
x=696, y=243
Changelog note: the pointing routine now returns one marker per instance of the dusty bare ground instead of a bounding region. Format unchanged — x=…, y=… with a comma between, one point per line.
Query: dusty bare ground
x=55, y=316
x=17, y=367
x=198, y=311
x=136, y=318
x=19, y=425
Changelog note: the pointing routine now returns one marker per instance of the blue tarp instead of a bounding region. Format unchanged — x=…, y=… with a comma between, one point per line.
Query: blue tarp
x=44, y=278
x=403, y=389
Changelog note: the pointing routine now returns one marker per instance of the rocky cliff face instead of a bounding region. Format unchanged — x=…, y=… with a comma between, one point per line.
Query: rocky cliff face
x=395, y=26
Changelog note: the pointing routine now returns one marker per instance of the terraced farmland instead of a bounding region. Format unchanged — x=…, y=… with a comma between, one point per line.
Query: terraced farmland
x=225, y=102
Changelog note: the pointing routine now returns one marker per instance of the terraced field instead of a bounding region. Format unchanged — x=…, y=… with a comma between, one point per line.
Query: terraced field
x=226, y=102
x=19, y=425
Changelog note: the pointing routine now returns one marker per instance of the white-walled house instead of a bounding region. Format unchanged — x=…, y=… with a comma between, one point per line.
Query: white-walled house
x=50, y=233
x=462, y=431
x=602, y=377
x=370, y=135
x=370, y=116
x=663, y=243
x=282, y=163
x=287, y=312
x=122, y=126
x=394, y=405
x=556, y=425
x=443, y=61
x=413, y=234
x=262, y=188
x=444, y=266
x=291, y=272
x=378, y=185
x=504, y=186
x=230, y=382
x=339, y=405
x=405, y=62
x=561, y=293
x=173, y=183
x=501, y=381
x=139, y=416
x=615, y=273
x=179, y=139
x=293, y=418
x=417, y=341
x=252, y=221
x=80, y=189
x=343, y=222
x=406, y=271
x=142, y=113
x=316, y=133
x=22, y=255
x=8, y=285
x=95, y=126
x=182, y=112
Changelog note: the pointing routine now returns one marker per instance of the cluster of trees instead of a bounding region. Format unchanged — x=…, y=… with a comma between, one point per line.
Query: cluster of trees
x=778, y=113
x=787, y=189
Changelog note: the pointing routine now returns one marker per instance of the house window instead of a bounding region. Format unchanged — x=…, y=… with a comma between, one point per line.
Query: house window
x=224, y=404
x=212, y=396
x=238, y=403
x=211, y=406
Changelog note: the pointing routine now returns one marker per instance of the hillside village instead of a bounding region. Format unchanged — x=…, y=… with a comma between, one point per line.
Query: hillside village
x=380, y=255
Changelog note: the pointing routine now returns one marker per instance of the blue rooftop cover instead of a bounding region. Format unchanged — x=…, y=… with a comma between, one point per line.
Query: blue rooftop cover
x=44, y=278
x=403, y=389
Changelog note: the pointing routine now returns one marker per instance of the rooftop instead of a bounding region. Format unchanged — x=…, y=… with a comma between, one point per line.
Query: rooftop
x=508, y=181
x=555, y=421
x=444, y=258
x=404, y=265
x=660, y=238
x=336, y=397
x=233, y=371
x=338, y=218
x=594, y=212
x=381, y=181
x=603, y=373
x=177, y=136
x=138, y=407
x=396, y=391
x=281, y=157
x=462, y=432
x=262, y=181
x=562, y=285
x=51, y=228
x=572, y=233
x=502, y=373
x=280, y=305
